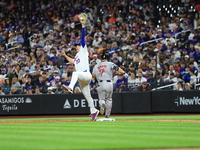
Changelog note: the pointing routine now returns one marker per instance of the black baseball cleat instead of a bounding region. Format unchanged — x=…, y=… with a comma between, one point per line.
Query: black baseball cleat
x=106, y=116
x=68, y=89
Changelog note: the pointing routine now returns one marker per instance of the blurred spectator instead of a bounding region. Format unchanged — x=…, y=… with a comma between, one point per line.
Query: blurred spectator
x=166, y=77
x=13, y=91
x=37, y=91
x=41, y=85
x=15, y=83
x=7, y=86
x=187, y=87
x=179, y=86
x=50, y=90
x=144, y=87
x=173, y=78
x=192, y=67
x=159, y=80
x=10, y=73
x=95, y=59
x=30, y=83
x=1, y=91
x=132, y=84
x=140, y=79
x=121, y=83
x=2, y=76
x=58, y=85
x=29, y=91
x=77, y=90
x=192, y=79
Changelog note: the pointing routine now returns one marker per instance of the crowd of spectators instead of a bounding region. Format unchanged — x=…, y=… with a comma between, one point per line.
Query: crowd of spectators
x=157, y=42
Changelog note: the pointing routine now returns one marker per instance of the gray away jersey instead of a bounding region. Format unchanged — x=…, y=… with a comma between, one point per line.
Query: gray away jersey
x=103, y=70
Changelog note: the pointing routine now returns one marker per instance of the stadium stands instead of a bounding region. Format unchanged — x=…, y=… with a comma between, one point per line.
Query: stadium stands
x=159, y=39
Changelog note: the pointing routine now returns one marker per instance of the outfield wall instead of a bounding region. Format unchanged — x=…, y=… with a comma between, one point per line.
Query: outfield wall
x=123, y=103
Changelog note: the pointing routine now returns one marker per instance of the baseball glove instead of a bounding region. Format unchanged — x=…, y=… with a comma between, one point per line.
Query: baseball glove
x=83, y=18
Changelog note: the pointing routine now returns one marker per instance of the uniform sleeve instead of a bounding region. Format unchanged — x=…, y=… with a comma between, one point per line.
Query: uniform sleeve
x=114, y=67
x=94, y=71
x=83, y=38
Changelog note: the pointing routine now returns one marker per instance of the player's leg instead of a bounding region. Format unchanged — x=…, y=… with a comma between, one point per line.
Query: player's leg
x=74, y=79
x=101, y=96
x=102, y=103
x=86, y=92
x=84, y=80
x=72, y=83
x=109, y=100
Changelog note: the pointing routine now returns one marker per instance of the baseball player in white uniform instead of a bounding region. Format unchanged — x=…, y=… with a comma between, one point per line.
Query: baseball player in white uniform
x=82, y=73
x=103, y=72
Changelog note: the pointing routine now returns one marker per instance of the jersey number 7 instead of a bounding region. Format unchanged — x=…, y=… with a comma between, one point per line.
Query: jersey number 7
x=101, y=71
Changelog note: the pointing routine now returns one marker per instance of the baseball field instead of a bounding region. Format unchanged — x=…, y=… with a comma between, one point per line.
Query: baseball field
x=78, y=132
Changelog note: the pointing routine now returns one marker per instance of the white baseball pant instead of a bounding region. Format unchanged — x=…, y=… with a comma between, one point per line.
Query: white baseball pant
x=84, y=79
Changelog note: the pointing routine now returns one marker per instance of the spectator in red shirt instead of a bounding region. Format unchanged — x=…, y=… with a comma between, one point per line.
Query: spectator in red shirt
x=144, y=87
x=112, y=19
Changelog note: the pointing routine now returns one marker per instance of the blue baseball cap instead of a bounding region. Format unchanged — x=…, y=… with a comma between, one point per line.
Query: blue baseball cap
x=77, y=44
x=20, y=57
x=178, y=58
x=29, y=88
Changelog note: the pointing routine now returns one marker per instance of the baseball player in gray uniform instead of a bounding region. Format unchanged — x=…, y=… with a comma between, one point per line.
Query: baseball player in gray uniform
x=103, y=72
x=82, y=73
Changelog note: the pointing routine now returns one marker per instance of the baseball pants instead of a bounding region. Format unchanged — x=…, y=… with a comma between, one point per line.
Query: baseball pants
x=84, y=79
x=105, y=91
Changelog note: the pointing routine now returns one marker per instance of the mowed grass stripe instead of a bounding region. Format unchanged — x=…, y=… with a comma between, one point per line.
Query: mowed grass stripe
x=99, y=135
x=120, y=125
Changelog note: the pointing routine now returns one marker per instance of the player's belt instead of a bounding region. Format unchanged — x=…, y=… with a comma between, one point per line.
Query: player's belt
x=105, y=80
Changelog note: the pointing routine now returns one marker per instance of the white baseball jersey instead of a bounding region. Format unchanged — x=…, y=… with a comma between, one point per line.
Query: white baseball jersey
x=81, y=61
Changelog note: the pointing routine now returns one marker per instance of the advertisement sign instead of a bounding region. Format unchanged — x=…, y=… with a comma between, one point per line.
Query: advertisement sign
x=19, y=104
x=66, y=104
x=186, y=101
x=123, y=103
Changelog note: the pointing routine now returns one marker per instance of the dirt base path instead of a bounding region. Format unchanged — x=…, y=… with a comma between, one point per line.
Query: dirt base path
x=70, y=116
x=50, y=121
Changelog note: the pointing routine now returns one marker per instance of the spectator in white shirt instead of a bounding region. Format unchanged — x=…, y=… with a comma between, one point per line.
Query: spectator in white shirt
x=140, y=79
x=177, y=54
x=192, y=78
x=179, y=86
x=96, y=41
x=98, y=33
x=126, y=46
x=166, y=77
x=50, y=90
x=169, y=39
x=173, y=79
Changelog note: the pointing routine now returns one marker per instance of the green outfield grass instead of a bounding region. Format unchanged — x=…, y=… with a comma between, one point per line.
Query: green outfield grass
x=101, y=135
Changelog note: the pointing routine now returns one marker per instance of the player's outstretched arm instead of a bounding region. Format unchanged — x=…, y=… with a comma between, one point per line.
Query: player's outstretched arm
x=83, y=36
x=83, y=20
x=67, y=57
